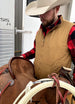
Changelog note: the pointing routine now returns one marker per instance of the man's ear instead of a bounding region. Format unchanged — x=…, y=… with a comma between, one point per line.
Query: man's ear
x=57, y=9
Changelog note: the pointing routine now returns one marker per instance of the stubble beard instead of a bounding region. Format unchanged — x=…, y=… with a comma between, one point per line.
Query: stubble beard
x=48, y=23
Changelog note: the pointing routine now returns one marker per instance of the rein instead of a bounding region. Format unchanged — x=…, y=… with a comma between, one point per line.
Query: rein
x=58, y=93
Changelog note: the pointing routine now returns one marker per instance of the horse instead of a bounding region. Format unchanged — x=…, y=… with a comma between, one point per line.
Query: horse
x=22, y=72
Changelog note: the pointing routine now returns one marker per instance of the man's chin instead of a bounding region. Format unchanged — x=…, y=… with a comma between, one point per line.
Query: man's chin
x=44, y=24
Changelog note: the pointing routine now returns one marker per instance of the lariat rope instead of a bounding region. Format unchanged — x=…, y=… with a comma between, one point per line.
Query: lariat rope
x=56, y=83
x=28, y=88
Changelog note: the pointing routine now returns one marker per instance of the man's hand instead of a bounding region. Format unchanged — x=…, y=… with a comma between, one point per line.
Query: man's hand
x=21, y=56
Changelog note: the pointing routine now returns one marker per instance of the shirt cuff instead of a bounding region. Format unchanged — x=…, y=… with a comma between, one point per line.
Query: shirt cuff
x=24, y=56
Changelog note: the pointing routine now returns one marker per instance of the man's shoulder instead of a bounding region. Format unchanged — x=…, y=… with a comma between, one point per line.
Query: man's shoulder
x=68, y=22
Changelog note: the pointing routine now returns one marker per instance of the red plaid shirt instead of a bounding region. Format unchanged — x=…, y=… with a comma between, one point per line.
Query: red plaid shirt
x=70, y=42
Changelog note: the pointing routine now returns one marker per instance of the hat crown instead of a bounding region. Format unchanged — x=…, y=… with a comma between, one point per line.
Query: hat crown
x=43, y=3
x=37, y=7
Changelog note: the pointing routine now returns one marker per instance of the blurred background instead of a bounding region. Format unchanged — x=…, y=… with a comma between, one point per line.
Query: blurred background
x=18, y=31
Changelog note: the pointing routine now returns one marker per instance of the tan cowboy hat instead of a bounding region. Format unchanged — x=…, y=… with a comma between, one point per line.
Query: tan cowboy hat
x=38, y=7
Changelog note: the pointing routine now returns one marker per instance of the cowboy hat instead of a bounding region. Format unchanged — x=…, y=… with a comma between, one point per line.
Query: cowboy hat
x=38, y=7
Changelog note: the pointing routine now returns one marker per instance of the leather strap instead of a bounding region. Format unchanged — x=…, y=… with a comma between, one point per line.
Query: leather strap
x=5, y=80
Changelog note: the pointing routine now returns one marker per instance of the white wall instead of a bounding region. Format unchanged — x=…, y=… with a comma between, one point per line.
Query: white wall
x=6, y=30
x=30, y=24
x=72, y=16
x=7, y=14
x=64, y=11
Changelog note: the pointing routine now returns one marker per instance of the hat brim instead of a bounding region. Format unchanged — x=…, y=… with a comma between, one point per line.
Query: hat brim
x=33, y=10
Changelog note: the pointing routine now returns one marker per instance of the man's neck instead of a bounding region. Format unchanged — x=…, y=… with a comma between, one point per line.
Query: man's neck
x=55, y=20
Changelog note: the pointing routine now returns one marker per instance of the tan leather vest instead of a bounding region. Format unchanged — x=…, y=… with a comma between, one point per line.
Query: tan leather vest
x=52, y=51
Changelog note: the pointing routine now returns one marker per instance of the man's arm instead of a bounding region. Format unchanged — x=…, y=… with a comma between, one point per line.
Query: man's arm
x=71, y=46
x=30, y=54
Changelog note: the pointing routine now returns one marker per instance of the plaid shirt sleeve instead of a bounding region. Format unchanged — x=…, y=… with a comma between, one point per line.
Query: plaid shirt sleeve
x=30, y=54
x=71, y=46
